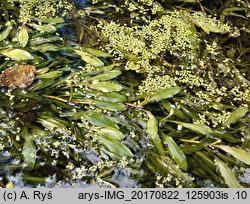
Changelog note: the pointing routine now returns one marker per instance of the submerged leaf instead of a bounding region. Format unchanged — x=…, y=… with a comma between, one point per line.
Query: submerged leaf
x=112, y=133
x=198, y=128
x=176, y=153
x=44, y=28
x=152, y=128
x=229, y=177
x=7, y=31
x=236, y=115
x=112, y=97
x=165, y=93
x=29, y=149
x=23, y=36
x=99, y=119
x=90, y=59
x=110, y=106
x=17, y=54
x=115, y=147
x=105, y=86
x=106, y=75
x=240, y=154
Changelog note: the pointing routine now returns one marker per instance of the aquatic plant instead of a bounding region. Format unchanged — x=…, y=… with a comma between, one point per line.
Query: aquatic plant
x=156, y=101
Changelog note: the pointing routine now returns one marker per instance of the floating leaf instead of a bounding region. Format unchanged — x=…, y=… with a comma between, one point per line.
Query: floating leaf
x=176, y=153
x=236, y=115
x=17, y=54
x=240, y=154
x=105, y=86
x=29, y=149
x=198, y=128
x=23, y=36
x=152, y=128
x=90, y=59
x=99, y=119
x=115, y=147
x=110, y=106
x=227, y=174
x=106, y=75
x=112, y=133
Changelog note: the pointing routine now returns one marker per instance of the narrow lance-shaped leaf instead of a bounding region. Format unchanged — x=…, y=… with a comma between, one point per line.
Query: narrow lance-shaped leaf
x=44, y=28
x=163, y=94
x=152, y=128
x=112, y=97
x=236, y=115
x=17, y=54
x=23, y=36
x=110, y=106
x=112, y=133
x=96, y=62
x=240, y=154
x=98, y=53
x=198, y=128
x=227, y=174
x=105, y=86
x=97, y=119
x=29, y=149
x=108, y=75
x=176, y=153
x=115, y=147
x=7, y=31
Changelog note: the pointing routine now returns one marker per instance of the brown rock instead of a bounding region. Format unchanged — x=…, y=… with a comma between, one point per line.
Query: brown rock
x=18, y=76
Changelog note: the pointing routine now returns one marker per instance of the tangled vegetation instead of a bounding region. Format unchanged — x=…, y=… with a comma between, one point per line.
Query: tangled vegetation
x=128, y=93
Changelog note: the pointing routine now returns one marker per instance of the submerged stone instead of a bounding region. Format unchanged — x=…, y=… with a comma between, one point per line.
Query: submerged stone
x=18, y=76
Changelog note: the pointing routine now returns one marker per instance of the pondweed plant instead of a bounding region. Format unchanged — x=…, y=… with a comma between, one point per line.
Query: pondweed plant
x=156, y=101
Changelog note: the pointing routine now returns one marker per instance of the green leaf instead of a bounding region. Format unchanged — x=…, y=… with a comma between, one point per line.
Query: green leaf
x=44, y=28
x=17, y=54
x=238, y=153
x=110, y=106
x=23, y=36
x=152, y=128
x=7, y=31
x=236, y=115
x=227, y=174
x=49, y=75
x=115, y=147
x=29, y=149
x=112, y=133
x=99, y=119
x=163, y=94
x=198, y=128
x=209, y=26
x=105, y=86
x=176, y=153
x=96, y=62
x=98, y=53
x=106, y=75
x=46, y=48
x=112, y=97
x=53, y=21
